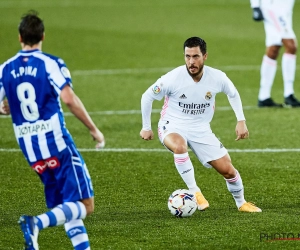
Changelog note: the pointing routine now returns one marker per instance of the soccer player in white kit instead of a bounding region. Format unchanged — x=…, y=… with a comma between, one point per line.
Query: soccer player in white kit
x=277, y=17
x=190, y=91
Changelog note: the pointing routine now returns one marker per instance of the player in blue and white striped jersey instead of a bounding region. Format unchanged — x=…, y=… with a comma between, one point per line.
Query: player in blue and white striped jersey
x=33, y=83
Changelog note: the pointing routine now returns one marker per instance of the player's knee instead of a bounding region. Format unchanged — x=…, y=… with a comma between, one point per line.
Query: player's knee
x=290, y=46
x=291, y=50
x=273, y=51
x=230, y=173
x=180, y=149
x=89, y=209
x=89, y=205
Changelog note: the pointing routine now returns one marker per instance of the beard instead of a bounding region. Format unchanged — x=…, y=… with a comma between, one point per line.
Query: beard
x=196, y=73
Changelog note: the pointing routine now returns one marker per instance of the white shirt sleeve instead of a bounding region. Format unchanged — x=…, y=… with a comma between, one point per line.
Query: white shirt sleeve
x=146, y=108
x=234, y=99
x=237, y=106
x=155, y=92
x=255, y=3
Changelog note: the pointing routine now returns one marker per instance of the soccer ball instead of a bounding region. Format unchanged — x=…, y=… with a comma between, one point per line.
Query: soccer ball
x=182, y=203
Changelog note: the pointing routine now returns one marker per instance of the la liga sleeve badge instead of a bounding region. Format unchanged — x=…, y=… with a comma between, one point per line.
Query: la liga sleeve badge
x=156, y=89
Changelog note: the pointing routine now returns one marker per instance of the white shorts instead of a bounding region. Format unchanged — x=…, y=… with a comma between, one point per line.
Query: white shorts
x=278, y=25
x=206, y=146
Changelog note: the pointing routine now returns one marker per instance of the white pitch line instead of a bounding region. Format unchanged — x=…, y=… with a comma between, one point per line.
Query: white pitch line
x=134, y=112
x=256, y=150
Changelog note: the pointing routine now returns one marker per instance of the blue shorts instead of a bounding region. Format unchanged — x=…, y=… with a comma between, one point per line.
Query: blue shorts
x=65, y=177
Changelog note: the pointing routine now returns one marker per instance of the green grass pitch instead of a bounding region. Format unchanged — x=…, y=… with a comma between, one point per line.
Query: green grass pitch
x=115, y=49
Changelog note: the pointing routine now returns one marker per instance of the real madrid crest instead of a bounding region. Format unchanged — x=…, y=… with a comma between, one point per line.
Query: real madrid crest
x=208, y=96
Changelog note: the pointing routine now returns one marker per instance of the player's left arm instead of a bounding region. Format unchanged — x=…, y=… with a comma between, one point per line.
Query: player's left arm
x=77, y=108
x=60, y=76
x=235, y=101
x=241, y=130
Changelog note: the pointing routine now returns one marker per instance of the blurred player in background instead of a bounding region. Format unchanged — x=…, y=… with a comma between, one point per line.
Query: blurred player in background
x=277, y=17
x=189, y=106
x=33, y=83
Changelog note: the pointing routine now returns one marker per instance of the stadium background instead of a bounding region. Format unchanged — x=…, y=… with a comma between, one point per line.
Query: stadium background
x=116, y=49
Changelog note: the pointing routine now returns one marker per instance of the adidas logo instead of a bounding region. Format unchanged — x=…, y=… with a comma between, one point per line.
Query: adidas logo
x=221, y=145
x=186, y=171
x=183, y=96
x=236, y=191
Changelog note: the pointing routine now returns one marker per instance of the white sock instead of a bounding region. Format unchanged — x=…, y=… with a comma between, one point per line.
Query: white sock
x=236, y=188
x=186, y=170
x=288, y=65
x=267, y=76
x=76, y=232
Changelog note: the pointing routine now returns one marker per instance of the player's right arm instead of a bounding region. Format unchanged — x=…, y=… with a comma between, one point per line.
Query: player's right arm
x=77, y=108
x=147, y=134
x=152, y=93
x=146, y=108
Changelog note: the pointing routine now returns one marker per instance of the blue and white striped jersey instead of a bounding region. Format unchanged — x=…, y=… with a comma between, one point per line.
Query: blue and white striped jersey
x=32, y=82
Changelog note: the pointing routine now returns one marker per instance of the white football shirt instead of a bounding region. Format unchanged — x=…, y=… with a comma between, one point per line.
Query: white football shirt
x=189, y=103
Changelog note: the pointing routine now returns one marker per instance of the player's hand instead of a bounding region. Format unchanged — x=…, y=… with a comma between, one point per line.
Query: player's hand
x=99, y=137
x=4, y=107
x=257, y=14
x=241, y=130
x=146, y=134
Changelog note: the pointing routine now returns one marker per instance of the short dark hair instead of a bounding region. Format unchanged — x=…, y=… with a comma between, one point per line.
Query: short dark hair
x=195, y=42
x=31, y=28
